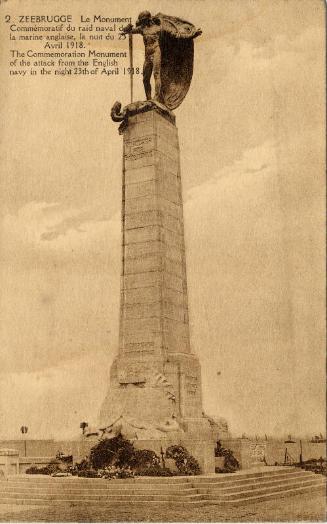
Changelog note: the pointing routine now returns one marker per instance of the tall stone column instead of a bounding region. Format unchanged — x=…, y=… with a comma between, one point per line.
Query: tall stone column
x=155, y=388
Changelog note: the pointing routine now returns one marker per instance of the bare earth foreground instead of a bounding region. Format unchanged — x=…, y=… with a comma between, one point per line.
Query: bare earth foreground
x=309, y=507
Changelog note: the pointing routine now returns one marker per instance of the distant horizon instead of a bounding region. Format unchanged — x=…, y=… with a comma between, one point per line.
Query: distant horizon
x=233, y=436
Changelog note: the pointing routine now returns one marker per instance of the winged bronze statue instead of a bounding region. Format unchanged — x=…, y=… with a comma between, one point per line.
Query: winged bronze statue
x=169, y=52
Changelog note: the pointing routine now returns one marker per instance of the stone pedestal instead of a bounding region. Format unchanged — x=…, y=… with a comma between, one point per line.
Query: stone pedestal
x=9, y=462
x=155, y=383
x=249, y=453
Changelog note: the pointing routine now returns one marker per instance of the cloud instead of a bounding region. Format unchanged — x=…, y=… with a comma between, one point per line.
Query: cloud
x=43, y=231
x=61, y=229
x=34, y=220
x=267, y=93
x=64, y=292
x=250, y=306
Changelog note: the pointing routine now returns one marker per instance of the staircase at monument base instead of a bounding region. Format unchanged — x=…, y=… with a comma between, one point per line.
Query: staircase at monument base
x=239, y=488
x=247, y=487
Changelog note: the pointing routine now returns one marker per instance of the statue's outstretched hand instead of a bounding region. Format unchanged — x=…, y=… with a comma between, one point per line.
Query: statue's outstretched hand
x=127, y=29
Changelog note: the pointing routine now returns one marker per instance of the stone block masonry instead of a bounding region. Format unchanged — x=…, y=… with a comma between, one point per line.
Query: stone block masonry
x=153, y=241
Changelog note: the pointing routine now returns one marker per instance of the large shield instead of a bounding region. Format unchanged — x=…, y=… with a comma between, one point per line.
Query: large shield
x=177, y=52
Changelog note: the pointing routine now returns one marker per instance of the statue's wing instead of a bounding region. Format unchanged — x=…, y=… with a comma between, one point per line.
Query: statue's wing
x=177, y=51
x=176, y=27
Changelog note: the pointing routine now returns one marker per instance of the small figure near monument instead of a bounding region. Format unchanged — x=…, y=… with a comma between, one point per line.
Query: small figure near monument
x=169, y=51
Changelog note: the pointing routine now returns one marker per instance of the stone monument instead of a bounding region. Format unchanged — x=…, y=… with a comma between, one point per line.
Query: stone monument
x=154, y=396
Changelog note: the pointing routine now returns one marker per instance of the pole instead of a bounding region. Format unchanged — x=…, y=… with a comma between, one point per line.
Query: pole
x=301, y=457
x=130, y=45
x=24, y=430
x=162, y=457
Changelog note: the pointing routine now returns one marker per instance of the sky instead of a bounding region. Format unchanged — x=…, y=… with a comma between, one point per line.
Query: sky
x=252, y=142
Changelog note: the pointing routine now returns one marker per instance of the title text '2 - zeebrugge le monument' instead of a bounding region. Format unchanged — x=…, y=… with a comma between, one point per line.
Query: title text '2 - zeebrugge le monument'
x=154, y=397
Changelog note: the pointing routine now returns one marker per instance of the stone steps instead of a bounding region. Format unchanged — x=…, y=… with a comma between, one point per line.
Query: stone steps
x=45, y=479
x=252, y=484
x=79, y=482
x=252, y=490
x=248, y=475
x=11, y=490
x=275, y=495
x=238, y=480
x=76, y=491
x=115, y=487
x=231, y=489
x=258, y=486
x=109, y=503
x=89, y=499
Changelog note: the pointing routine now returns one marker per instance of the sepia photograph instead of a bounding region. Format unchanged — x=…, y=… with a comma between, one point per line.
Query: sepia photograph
x=162, y=261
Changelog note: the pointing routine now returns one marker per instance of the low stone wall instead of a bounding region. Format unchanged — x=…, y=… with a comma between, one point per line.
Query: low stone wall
x=9, y=462
x=251, y=453
x=49, y=448
x=248, y=453
x=34, y=448
x=12, y=464
x=37, y=450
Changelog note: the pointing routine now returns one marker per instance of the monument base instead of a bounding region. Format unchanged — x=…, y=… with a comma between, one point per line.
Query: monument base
x=155, y=417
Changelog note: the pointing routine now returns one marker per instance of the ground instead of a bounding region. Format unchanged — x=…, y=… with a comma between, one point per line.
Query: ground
x=300, y=507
